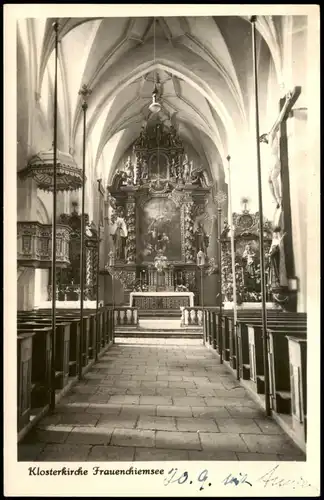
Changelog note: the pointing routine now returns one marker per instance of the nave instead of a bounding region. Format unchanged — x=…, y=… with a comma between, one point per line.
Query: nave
x=157, y=399
x=163, y=293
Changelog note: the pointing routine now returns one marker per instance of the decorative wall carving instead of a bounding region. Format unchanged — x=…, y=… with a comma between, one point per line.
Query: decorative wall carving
x=157, y=193
x=247, y=258
x=34, y=245
x=68, y=279
x=189, y=243
x=131, y=226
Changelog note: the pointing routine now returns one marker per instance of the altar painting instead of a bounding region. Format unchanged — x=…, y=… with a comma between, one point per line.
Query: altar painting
x=160, y=230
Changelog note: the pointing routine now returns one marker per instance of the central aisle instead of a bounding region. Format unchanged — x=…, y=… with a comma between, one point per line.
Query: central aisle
x=157, y=399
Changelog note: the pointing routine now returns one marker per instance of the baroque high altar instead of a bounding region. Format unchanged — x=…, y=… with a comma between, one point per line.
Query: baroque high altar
x=158, y=204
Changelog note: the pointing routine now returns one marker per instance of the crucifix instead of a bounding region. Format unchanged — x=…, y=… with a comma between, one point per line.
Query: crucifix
x=273, y=141
x=278, y=179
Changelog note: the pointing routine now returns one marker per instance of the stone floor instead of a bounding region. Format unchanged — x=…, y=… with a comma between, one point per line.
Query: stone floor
x=157, y=399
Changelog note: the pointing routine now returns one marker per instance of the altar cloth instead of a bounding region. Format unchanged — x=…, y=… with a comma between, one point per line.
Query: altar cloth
x=161, y=300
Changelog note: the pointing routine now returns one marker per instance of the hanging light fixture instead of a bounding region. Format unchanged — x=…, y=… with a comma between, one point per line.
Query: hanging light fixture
x=155, y=106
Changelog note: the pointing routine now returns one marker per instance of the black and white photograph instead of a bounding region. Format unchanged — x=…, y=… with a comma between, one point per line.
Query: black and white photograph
x=165, y=175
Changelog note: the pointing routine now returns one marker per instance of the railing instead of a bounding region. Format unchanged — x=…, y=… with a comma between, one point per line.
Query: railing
x=68, y=292
x=36, y=358
x=125, y=316
x=34, y=245
x=191, y=316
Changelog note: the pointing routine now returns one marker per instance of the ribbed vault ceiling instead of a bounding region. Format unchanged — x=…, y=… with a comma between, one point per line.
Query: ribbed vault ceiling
x=203, y=66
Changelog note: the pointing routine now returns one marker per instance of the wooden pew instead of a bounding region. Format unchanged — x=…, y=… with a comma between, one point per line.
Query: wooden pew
x=41, y=366
x=279, y=373
x=62, y=347
x=243, y=340
x=74, y=321
x=105, y=323
x=254, y=332
x=24, y=373
x=255, y=337
x=298, y=384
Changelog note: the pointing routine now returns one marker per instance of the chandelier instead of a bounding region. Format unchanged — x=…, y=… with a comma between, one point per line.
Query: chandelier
x=41, y=166
x=155, y=106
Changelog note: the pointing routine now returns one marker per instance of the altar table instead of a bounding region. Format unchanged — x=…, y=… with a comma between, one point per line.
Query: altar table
x=161, y=300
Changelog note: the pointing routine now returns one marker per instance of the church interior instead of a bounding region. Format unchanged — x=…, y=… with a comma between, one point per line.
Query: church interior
x=161, y=238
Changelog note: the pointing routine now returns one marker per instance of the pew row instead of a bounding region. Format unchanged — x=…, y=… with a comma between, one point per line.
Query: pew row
x=240, y=347
x=37, y=362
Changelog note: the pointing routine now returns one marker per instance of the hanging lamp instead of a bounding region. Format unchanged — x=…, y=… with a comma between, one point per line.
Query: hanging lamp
x=155, y=106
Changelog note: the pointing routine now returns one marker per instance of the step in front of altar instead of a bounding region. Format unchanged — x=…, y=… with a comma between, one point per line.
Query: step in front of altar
x=158, y=313
x=181, y=333
x=160, y=328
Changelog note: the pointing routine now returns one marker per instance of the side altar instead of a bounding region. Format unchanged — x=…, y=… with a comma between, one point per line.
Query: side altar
x=157, y=221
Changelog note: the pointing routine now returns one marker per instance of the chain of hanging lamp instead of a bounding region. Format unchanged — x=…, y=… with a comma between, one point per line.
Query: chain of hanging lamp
x=154, y=107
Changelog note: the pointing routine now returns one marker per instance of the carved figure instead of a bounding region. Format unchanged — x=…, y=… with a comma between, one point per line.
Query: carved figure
x=249, y=256
x=186, y=169
x=201, y=238
x=173, y=168
x=119, y=234
x=141, y=141
x=173, y=140
x=129, y=169
x=160, y=262
x=200, y=258
x=277, y=259
x=274, y=167
x=145, y=171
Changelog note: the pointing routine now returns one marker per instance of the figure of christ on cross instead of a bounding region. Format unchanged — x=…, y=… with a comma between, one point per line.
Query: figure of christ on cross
x=272, y=141
x=274, y=166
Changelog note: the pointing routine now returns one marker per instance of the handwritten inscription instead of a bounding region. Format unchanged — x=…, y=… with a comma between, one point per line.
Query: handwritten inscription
x=271, y=478
x=182, y=477
x=236, y=479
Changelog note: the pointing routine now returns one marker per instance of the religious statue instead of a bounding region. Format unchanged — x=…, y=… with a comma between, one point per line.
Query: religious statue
x=173, y=139
x=274, y=166
x=119, y=234
x=142, y=139
x=201, y=238
x=129, y=169
x=196, y=175
x=160, y=261
x=121, y=178
x=111, y=258
x=173, y=168
x=145, y=171
x=248, y=256
x=186, y=169
x=200, y=258
x=277, y=259
x=91, y=230
x=225, y=229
